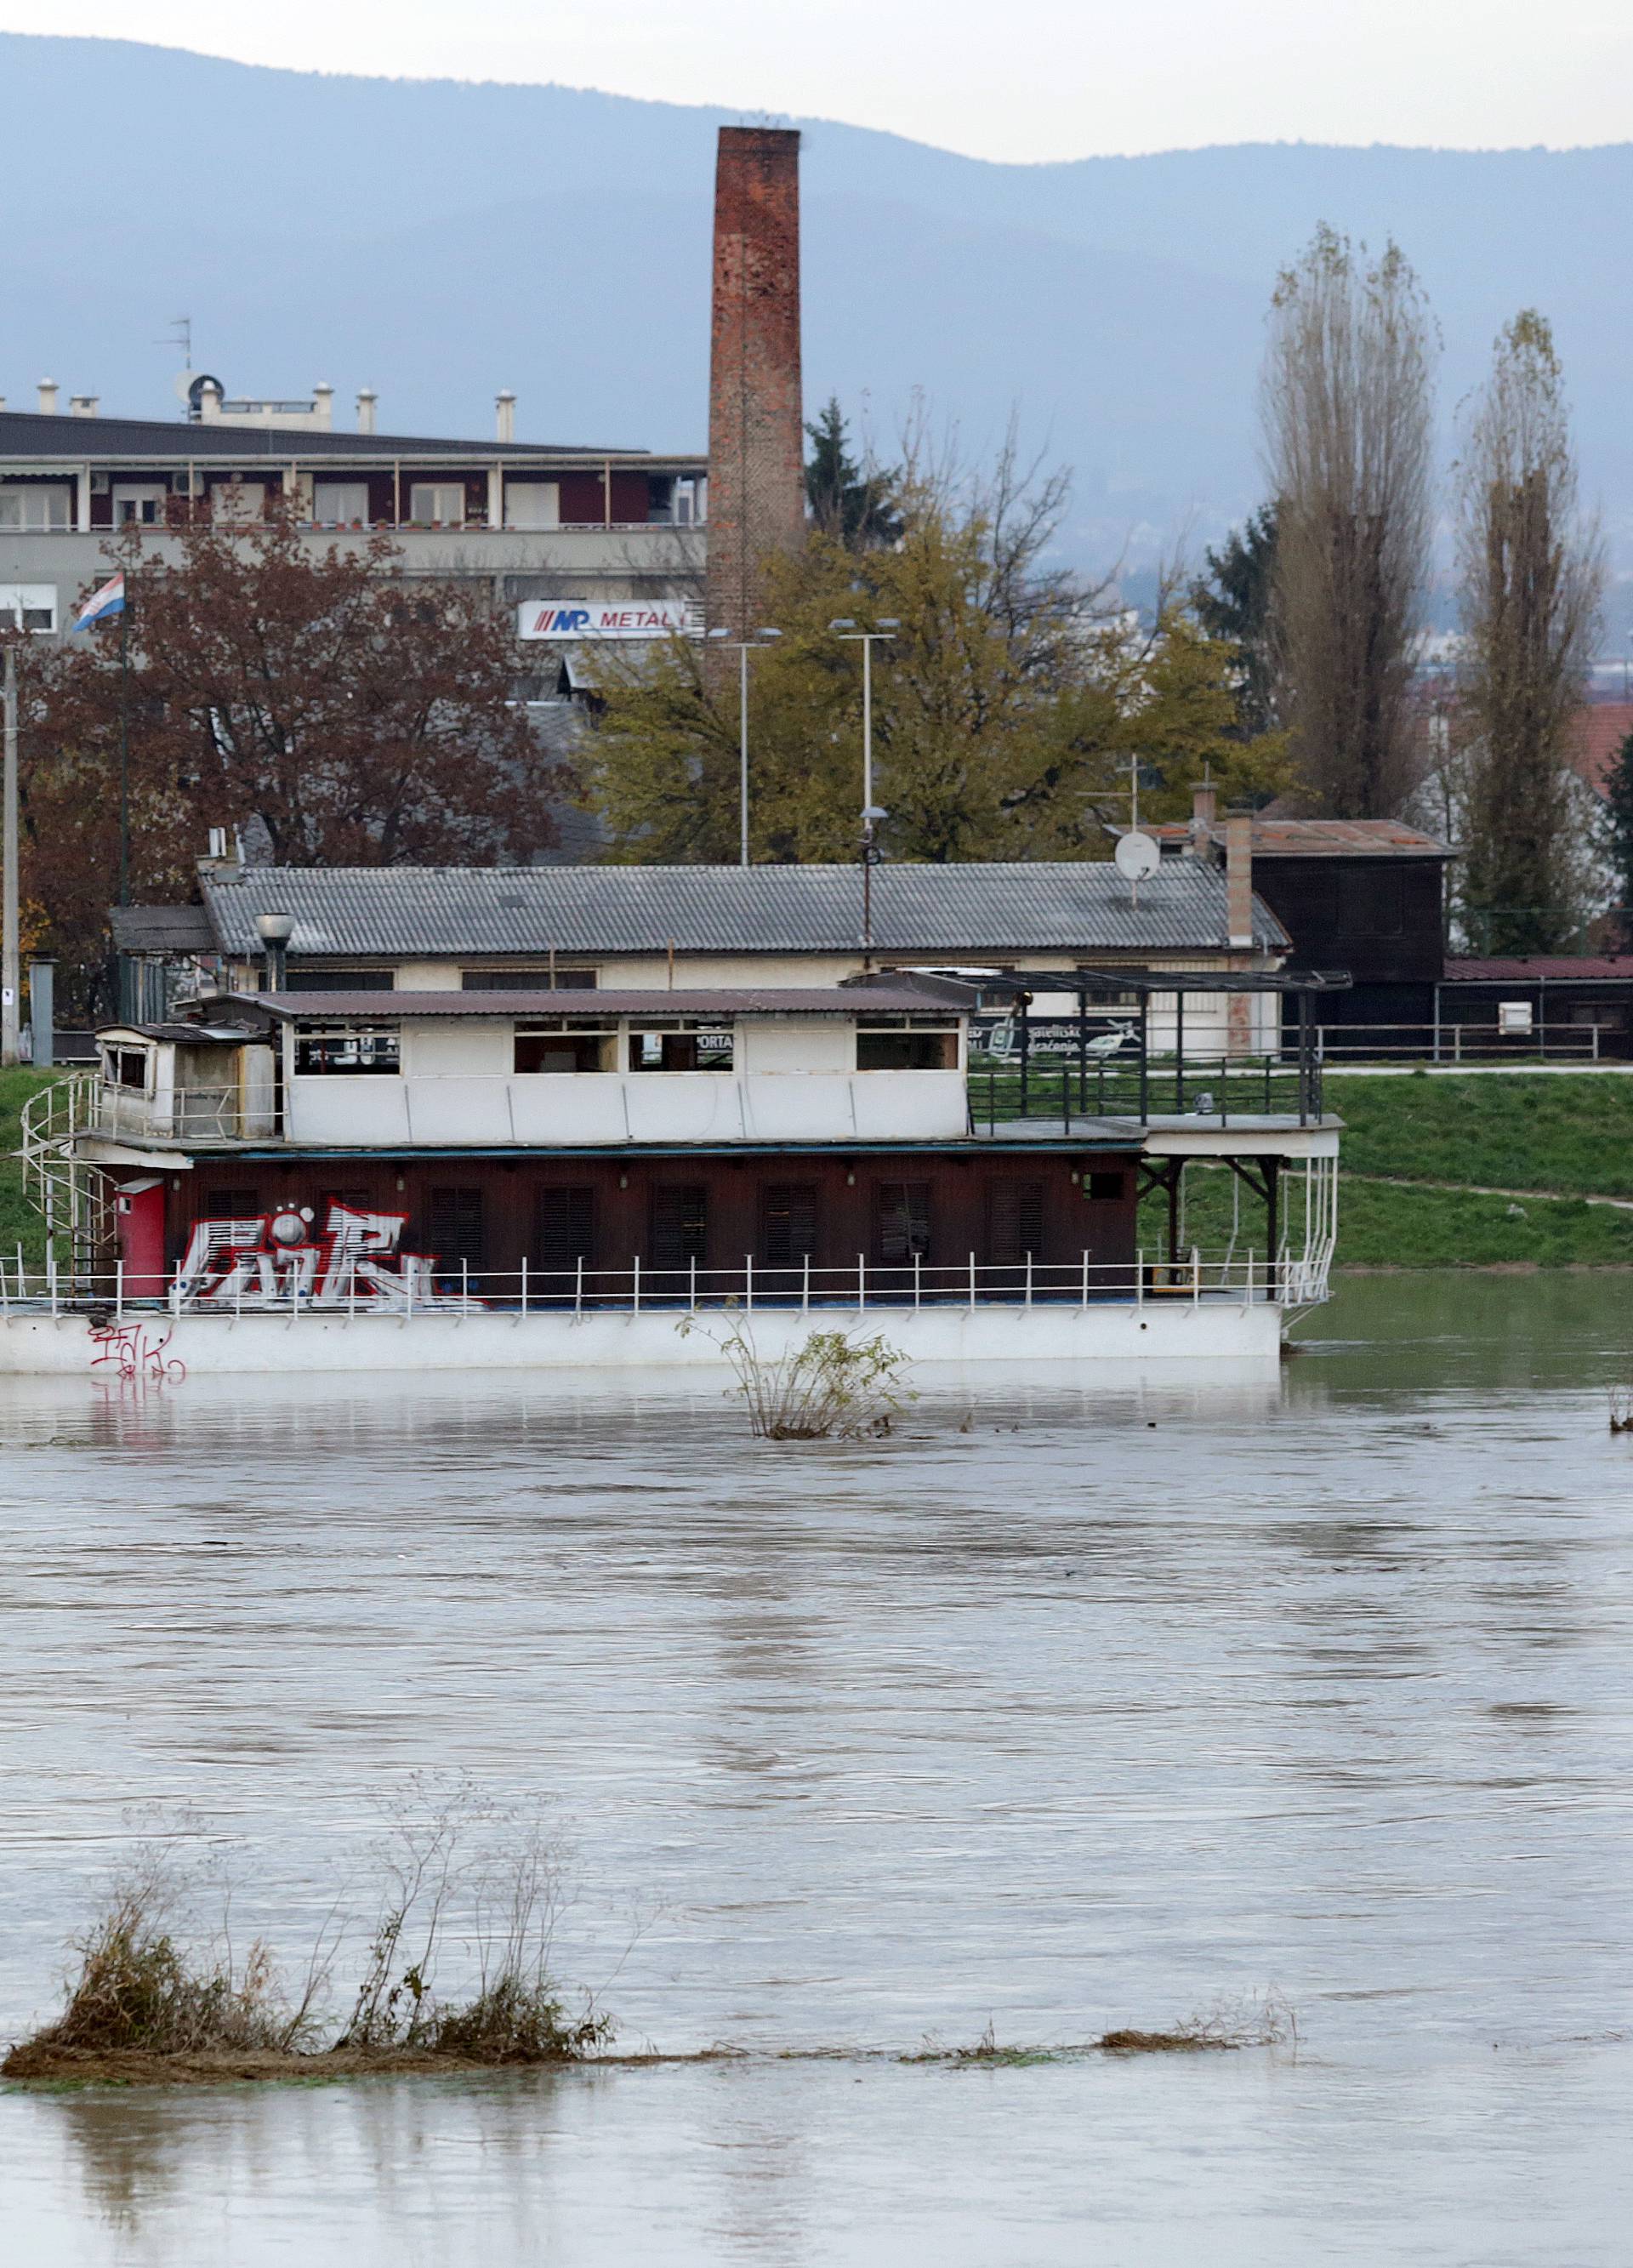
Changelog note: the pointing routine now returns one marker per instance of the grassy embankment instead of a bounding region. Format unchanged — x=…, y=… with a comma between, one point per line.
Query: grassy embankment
x=1569, y=1135
x=19, y=1222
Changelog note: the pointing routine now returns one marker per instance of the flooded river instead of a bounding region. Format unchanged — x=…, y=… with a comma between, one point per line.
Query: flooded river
x=1059, y=1709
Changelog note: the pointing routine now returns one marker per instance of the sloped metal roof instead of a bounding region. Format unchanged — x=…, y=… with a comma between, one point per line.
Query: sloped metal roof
x=27, y=434
x=601, y=1008
x=162, y=928
x=931, y=911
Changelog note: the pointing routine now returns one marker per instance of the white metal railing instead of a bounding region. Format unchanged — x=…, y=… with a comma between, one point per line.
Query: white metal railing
x=425, y=1287
x=1448, y=1042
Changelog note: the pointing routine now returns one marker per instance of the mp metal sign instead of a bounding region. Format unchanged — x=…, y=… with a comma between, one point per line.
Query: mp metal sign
x=584, y=618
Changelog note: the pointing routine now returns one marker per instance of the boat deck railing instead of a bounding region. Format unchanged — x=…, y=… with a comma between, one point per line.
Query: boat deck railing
x=305, y=1285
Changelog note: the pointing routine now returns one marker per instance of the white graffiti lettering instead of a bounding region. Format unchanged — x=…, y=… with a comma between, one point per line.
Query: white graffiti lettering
x=270, y=1261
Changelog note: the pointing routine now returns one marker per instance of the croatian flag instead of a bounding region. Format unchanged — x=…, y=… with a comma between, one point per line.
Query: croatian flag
x=102, y=605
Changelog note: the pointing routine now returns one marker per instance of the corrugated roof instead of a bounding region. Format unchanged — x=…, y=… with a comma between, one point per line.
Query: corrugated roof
x=603, y=1006
x=1324, y=839
x=1533, y=969
x=162, y=928
x=933, y=912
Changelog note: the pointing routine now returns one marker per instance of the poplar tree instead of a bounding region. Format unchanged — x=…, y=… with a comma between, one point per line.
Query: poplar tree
x=1346, y=402
x=1531, y=572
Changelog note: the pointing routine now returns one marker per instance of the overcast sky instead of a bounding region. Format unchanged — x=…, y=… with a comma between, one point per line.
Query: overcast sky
x=1018, y=80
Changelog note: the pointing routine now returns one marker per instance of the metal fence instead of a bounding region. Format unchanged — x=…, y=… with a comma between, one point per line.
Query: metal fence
x=1466, y=1042
x=1220, y=1088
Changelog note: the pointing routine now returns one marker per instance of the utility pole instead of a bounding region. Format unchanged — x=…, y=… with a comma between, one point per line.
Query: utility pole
x=10, y=960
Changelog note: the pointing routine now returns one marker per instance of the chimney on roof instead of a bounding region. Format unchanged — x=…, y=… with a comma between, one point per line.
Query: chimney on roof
x=83, y=405
x=367, y=400
x=1239, y=876
x=1204, y=816
x=323, y=405
x=47, y=397
x=756, y=438
x=505, y=416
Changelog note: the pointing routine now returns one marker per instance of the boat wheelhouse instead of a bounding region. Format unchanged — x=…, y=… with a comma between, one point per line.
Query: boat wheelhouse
x=534, y=1178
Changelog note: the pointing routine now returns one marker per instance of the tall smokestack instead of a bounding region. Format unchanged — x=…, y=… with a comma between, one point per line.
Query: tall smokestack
x=756, y=454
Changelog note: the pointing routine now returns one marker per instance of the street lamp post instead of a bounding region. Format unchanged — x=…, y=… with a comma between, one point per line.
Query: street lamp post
x=743, y=648
x=870, y=811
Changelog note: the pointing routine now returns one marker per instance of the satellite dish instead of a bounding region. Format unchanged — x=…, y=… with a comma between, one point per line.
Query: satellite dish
x=1136, y=855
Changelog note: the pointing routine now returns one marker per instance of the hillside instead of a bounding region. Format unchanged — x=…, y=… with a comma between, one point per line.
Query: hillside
x=439, y=240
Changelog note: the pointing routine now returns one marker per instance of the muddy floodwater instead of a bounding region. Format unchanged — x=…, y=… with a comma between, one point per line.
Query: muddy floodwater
x=1061, y=1710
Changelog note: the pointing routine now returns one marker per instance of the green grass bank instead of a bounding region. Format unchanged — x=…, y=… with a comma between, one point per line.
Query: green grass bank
x=19, y=1222
x=1418, y=1150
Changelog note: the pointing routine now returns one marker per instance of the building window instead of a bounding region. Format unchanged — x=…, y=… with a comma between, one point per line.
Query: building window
x=347, y=1052
x=340, y=503
x=565, y=1050
x=680, y=1225
x=29, y=606
x=1104, y=1189
x=437, y=504
x=788, y=1223
x=906, y=1050
x=564, y=1229
x=42, y=507
x=533, y=503
x=902, y=1222
x=527, y=980
x=699, y=1049
x=339, y=980
x=454, y=1230
x=139, y=504
x=1015, y=1223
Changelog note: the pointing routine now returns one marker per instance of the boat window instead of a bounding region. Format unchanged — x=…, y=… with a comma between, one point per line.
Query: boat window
x=699, y=1047
x=902, y=1221
x=1014, y=1222
x=880, y=1050
x=556, y=1046
x=347, y=1050
x=680, y=1225
x=788, y=1223
x=128, y=1067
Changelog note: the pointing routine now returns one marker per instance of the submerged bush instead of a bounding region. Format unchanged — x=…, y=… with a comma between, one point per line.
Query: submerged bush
x=152, y=1983
x=833, y=1387
x=138, y=1989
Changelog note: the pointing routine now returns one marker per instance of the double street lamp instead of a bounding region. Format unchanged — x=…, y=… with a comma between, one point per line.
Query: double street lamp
x=871, y=813
x=743, y=648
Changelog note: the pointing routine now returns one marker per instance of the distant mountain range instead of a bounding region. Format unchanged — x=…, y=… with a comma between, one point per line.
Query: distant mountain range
x=438, y=241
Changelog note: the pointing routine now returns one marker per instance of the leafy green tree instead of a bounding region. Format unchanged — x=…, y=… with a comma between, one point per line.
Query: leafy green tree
x=1007, y=707
x=858, y=508
x=1235, y=601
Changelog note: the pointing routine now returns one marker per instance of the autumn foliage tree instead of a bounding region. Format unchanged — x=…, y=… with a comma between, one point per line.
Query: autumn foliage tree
x=333, y=708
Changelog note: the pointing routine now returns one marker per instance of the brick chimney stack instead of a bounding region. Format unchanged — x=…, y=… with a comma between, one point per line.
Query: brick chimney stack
x=756, y=437
x=1204, y=817
x=1238, y=876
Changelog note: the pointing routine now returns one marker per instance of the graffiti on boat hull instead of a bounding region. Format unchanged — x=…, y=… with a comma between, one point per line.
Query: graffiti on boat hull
x=273, y=1261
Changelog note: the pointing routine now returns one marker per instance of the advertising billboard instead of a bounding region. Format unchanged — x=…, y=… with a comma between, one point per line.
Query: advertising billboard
x=597, y=618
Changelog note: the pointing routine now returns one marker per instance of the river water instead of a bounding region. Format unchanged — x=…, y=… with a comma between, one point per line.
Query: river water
x=1059, y=1709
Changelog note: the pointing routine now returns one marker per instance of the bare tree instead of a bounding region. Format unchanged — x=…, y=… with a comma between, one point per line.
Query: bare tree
x=1531, y=572
x=1346, y=403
